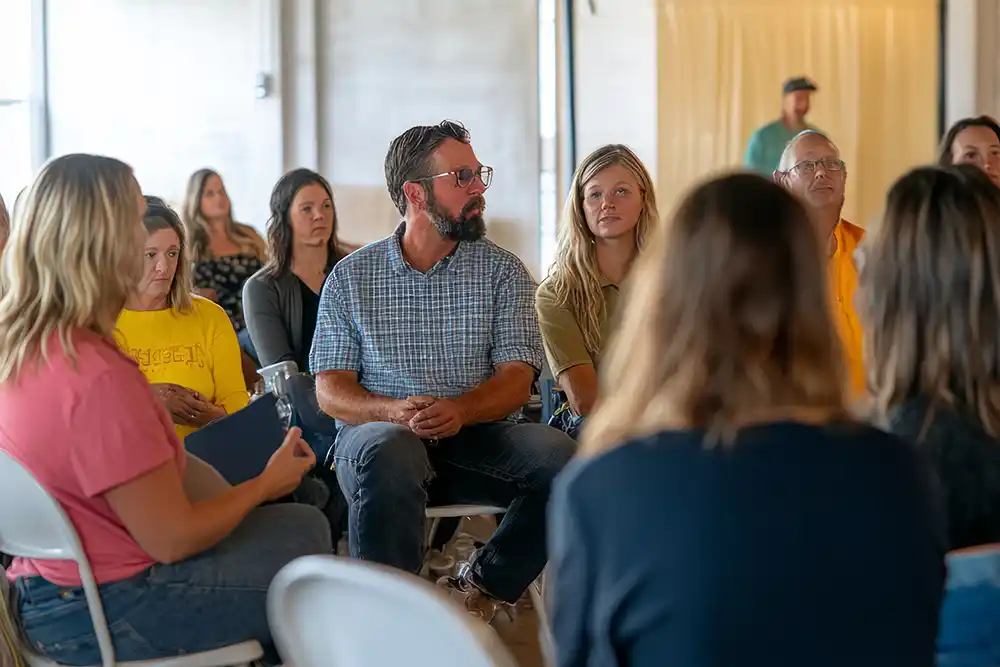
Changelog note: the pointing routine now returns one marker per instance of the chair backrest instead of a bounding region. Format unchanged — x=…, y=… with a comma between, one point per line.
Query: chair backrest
x=326, y=611
x=34, y=525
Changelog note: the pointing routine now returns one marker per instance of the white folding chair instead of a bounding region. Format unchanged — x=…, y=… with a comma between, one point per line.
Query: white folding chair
x=326, y=611
x=33, y=525
x=535, y=591
x=435, y=514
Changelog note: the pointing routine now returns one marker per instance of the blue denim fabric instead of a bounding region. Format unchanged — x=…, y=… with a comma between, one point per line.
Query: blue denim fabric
x=969, y=631
x=319, y=429
x=386, y=473
x=214, y=599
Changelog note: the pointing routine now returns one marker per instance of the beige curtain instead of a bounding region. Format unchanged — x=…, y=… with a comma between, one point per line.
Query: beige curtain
x=722, y=63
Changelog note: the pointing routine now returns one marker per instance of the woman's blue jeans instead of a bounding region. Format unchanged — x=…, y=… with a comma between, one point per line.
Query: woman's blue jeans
x=211, y=600
x=969, y=631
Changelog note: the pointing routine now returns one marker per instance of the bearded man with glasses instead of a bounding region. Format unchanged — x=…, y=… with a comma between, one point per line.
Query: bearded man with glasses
x=811, y=169
x=426, y=343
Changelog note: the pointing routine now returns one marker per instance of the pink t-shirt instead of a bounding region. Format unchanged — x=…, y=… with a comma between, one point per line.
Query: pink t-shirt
x=81, y=432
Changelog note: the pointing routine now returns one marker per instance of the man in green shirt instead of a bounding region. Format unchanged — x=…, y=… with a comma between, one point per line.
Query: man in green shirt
x=768, y=142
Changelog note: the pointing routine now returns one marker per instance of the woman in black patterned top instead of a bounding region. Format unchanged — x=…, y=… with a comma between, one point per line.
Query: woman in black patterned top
x=225, y=252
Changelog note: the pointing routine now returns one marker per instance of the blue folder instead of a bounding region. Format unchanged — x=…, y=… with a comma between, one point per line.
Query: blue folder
x=240, y=445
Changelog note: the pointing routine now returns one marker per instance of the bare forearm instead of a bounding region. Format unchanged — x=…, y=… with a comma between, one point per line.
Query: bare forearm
x=350, y=402
x=500, y=396
x=215, y=518
x=581, y=402
x=580, y=385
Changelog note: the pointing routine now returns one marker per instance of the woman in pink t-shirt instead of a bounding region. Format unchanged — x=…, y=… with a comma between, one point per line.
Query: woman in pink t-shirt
x=176, y=575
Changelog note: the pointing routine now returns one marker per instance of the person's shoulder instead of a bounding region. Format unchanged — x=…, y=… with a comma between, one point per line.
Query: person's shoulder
x=95, y=355
x=936, y=428
x=264, y=281
x=549, y=303
x=546, y=292
x=256, y=240
x=766, y=129
x=860, y=431
x=865, y=442
x=96, y=361
x=366, y=257
x=249, y=231
x=208, y=311
x=633, y=459
x=261, y=278
x=501, y=258
x=853, y=232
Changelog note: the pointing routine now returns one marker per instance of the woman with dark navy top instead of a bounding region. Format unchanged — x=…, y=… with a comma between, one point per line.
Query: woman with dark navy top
x=725, y=510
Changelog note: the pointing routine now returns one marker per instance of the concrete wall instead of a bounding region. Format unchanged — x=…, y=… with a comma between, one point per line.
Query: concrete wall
x=386, y=66
x=972, y=52
x=616, y=76
x=169, y=87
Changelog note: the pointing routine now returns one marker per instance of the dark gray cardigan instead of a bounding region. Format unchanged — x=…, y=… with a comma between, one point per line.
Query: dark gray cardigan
x=273, y=311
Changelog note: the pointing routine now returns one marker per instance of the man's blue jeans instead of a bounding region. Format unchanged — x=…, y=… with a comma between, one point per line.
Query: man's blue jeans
x=389, y=475
x=214, y=599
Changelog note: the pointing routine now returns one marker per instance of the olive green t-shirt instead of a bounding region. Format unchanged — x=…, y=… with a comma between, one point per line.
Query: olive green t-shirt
x=564, y=346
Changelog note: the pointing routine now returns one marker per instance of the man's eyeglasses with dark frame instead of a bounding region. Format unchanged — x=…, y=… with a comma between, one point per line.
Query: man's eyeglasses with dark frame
x=464, y=176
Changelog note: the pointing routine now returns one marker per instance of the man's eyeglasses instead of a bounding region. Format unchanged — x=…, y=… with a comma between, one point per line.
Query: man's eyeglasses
x=465, y=176
x=809, y=166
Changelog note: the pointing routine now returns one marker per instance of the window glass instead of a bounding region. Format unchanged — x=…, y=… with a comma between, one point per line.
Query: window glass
x=15, y=97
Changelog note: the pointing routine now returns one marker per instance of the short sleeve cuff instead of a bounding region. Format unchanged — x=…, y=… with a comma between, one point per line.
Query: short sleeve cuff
x=562, y=366
x=333, y=360
x=524, y=354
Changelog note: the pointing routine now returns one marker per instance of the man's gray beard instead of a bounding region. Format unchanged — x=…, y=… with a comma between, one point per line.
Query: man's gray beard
x=459, y=228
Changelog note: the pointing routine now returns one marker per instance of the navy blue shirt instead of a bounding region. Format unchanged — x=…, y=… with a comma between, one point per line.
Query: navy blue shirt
x=797, y=545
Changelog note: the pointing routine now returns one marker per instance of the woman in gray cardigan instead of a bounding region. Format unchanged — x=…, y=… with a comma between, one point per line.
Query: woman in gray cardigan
x=281, y=300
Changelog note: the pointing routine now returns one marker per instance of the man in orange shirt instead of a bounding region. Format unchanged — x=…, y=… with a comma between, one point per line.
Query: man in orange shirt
x=812, y=170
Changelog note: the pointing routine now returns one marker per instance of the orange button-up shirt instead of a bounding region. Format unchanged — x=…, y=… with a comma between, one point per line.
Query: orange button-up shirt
x=843, y=282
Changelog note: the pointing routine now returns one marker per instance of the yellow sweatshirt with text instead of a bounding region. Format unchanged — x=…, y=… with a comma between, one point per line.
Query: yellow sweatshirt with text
x=197, y=350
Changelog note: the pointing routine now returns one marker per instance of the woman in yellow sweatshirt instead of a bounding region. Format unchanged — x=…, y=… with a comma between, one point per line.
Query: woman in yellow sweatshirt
x=184, y=344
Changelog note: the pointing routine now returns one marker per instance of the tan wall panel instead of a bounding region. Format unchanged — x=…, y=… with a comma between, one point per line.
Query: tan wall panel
x=722, y=62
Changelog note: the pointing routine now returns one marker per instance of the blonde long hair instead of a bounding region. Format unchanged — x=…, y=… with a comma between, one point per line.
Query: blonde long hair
x=197, y=227
x=72, y=257
x=4, y=223
x=726, y=321
x=575, y=278
x=930, y=295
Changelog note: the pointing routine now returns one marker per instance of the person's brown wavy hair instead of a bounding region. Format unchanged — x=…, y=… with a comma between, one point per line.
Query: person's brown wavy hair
x=726, y=321
x=945, y=157
x=279, y=225
x=929, y=294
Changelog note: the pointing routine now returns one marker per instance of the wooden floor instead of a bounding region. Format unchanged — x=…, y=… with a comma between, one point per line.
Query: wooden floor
x=520, y=634
x=521, y=637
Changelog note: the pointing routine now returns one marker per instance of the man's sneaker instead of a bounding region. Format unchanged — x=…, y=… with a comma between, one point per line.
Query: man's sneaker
x=477, y=602
x=439, y=564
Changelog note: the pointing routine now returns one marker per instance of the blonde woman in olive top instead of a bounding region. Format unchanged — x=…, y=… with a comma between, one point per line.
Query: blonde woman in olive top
x=609, y=210
x=185, y=345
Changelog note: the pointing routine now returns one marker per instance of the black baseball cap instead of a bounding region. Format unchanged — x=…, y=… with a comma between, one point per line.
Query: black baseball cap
x=798, y=83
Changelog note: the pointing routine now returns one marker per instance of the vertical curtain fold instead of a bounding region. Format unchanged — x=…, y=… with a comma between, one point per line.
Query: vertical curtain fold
x=722, y=63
